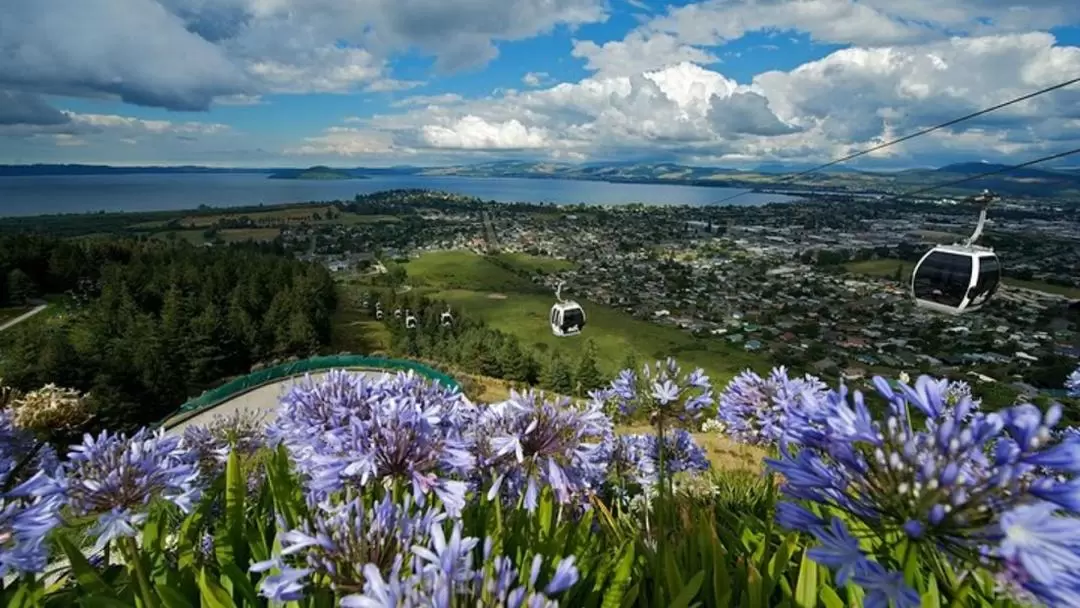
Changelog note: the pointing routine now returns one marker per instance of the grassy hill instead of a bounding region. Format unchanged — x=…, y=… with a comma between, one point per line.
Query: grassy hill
x=496, y=290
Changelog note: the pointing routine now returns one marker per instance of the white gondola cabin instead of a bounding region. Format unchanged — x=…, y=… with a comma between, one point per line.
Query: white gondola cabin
x=955, y=279
x=567, y=316
x=397, y=313
x=446, y=319
x=410, y=320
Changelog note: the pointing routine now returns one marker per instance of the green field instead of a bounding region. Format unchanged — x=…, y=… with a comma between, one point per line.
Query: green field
x=511, y=303
x=441, y=270
x=887, y=268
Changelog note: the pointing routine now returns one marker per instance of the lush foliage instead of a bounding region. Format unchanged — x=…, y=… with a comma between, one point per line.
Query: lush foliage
x=155, y=323
x=395, y=492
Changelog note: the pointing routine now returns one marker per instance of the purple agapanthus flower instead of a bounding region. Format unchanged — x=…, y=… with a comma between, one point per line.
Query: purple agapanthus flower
x=115, y=478
x=950, y=476
x=243, y=432
x=444, y=574
x=339, y=540
x=16, y=445
x=528, y=442
x=28, y=513
x=1072, y=384
x=638, y=456
x=755, y=410
x=402, y=440
x=662, y=391
x=350, y=430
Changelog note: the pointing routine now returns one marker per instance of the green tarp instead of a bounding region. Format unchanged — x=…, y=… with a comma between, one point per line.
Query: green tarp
x=253, y=380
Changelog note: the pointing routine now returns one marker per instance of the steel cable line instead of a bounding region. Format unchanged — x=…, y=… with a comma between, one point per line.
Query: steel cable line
x=912, y=136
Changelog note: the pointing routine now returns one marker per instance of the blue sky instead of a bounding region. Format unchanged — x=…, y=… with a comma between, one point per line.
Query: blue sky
x=367, y=82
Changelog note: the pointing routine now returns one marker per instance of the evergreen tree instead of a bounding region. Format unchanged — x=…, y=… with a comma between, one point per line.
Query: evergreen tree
x=515, y=364
x=557, y=375
x=587, y=375
x=20, y=286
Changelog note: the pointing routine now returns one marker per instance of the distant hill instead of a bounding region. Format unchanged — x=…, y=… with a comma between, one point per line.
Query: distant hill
x=45, y=169
x=319, y=172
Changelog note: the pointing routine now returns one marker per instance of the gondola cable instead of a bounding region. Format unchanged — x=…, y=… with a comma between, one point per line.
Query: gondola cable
x=920, y=133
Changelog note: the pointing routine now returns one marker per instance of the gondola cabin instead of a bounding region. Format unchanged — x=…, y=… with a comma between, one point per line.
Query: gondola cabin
x=567, y=319
x=446, y=319
x=955, y=279
x=410, y=321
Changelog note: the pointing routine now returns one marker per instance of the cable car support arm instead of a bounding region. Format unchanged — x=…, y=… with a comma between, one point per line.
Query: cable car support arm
x=985, y=200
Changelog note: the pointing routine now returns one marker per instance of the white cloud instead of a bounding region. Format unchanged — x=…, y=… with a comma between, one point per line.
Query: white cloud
x=535, y=79
x=474, y=133
x=68, y=140
x=637, y=53
x=423, y=100
x=846, y=101
x=344, y=141
x=239, y=100
x=184, y=54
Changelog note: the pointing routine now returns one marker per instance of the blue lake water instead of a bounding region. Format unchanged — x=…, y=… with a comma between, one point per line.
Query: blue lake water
x=36, y=195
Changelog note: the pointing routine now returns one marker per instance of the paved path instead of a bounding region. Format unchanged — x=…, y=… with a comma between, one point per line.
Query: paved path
x=23, y=317
x=265, y=398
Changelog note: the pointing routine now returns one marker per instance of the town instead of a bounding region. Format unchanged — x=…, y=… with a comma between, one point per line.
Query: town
x=820, y=286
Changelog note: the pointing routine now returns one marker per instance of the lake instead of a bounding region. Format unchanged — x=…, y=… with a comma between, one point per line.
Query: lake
x=35, y=195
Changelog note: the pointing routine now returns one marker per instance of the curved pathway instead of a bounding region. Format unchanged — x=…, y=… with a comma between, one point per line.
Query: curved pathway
x=264, y=398
x=23, y=317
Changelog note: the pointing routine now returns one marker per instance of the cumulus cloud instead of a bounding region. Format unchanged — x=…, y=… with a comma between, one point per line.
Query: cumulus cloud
x=475, y=133
x=637, y=53
x=17, y=108
x=134, y=50
x=344, y=141
x=184, y=54
x=846, y=101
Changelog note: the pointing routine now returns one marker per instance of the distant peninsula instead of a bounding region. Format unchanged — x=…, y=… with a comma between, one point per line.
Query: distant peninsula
x=317, y=173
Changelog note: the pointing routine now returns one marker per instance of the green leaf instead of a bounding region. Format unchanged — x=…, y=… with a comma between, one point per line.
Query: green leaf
x=755, y=587
x=931, y=599
x=172, y=598
x=212, y=594
x=806, y=592
x=241, y=583
x=86, y=575
x=689, y=592
x=620, y=578
x=100, y=601
x=830, y=598
x=234, y=549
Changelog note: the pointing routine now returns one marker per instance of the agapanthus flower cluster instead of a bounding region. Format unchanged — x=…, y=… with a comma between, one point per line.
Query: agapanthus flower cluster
x=21, y=454
x=1072, y=384
x=662, y=391
x=444, y=573
x=29, y=510
x=529, y=442
x=115, y=478
x=959, y=480
x=340, y=539
x=754, y=408
x=638, y=456
x=383, y=430
x=243, y=432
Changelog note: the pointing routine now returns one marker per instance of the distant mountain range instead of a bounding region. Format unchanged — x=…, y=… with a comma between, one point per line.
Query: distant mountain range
x=1030, y=181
